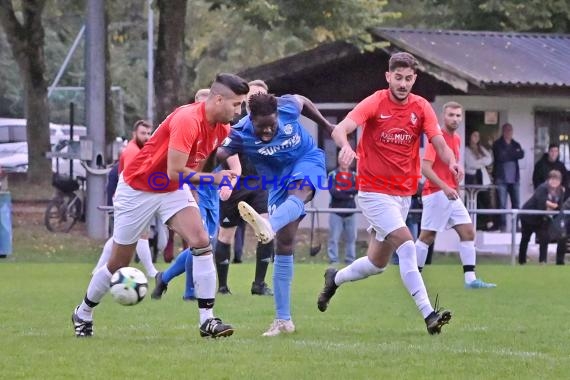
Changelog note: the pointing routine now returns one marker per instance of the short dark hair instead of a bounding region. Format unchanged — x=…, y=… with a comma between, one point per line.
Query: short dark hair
x=262, y=104
x=141, y=123
x=553, y=145
x=402, y=60
x=235, y=83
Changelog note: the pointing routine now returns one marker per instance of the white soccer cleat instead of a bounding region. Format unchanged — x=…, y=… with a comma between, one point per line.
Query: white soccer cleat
x=260, y=225
x=280, y=326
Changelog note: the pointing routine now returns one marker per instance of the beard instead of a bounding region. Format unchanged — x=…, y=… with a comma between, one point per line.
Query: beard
x=398, y=96
x=139, y=142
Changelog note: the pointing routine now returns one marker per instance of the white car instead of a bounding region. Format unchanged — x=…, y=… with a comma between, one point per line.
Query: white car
x=14, y=147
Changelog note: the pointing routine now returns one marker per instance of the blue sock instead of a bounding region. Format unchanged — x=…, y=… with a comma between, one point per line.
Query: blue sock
x=176, y=268
x=189, y=290
x=282, y=278
x=286, y=212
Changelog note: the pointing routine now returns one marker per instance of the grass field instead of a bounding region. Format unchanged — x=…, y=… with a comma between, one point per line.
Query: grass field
x=371, y=330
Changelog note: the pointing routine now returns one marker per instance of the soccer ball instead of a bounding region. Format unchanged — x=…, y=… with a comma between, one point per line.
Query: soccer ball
x=128, y=286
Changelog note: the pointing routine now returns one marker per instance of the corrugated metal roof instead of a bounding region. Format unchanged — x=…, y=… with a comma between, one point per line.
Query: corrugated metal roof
x=490, y=57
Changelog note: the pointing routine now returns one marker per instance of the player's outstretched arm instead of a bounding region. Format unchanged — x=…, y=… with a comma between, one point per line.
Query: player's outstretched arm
x=176, y=169
x=339, y=135
x=311, y=111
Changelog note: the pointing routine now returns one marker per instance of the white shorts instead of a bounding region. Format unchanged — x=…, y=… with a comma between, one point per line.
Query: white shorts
x=385, y=213
x=134, y=210
x=440, y=213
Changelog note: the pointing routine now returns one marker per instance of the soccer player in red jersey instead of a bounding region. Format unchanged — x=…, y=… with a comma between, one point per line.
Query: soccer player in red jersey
x=152, y=184
x=442, y=208
x=141, y=133
x=393, y=121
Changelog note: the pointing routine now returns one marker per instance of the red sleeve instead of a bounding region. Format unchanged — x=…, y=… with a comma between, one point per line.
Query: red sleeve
x=364, y=110
x=183, y=132
x=430, y=125
x=430, y=153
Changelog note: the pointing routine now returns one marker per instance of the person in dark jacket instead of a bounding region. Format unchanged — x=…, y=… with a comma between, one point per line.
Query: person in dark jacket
x=549, y=161
x=342, y=187
x=548, y=196
x=507, y=153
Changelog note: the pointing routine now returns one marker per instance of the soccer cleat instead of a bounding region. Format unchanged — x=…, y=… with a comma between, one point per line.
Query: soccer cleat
x=329, y=289
x=280, y=326
x=260, y=225
x=224, y=290
x=159, y=288
x=479, y=284
x=215, y=328
x=83, y=328
x=437, y=319
x=260, y=289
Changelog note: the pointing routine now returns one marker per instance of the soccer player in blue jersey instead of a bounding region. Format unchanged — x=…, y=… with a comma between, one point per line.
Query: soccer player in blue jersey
x=292, y=168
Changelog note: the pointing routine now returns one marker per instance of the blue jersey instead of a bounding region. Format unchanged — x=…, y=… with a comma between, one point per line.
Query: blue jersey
x=290, y=143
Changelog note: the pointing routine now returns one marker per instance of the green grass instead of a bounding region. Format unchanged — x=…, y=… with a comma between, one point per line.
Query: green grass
x=371, y=330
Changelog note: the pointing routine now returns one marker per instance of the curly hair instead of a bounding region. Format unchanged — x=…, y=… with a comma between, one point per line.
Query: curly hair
x=262, y=104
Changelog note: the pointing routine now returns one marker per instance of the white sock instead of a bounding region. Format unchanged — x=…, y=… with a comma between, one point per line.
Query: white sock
x=359, y=269
x=412, y=278
x=204, y=273
x=468, y=257
x=105, y=255
x=144, y=254
x=421, y=253
x=98, y=287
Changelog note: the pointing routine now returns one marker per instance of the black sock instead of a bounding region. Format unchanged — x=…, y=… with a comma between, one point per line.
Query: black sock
x=222, y=258
x=263, y=256
x=468, y=268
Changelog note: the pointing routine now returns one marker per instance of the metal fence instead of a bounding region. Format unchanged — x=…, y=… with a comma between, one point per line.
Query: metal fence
x=512, y=214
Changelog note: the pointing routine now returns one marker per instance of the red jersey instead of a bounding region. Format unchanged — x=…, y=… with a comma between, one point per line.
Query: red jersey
x=440, y=168
x=389, y=159
x=186, y=130
x=128, y=154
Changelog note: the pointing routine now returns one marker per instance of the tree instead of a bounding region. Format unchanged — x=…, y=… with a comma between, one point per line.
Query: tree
x=26, y=39
x=169, y=62
x=545, y=16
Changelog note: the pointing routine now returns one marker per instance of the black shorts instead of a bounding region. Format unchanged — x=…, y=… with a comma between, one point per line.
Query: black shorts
x=229, y=214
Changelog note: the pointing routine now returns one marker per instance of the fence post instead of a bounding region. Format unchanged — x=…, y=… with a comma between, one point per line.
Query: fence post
x=514, y=214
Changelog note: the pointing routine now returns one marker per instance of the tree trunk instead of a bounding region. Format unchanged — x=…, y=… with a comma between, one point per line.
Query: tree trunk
x=169, y=62
x=27, y=42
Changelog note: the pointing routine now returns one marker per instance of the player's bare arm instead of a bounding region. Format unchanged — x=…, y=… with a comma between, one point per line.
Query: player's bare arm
x=429, y=173
x=176, y=164
x=310, y=110
x=234, y=165
x=339, y=135
x=447, y=156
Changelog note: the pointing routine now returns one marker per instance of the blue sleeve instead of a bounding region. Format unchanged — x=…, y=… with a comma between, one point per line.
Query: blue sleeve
x=234, y=142
x=289, y=107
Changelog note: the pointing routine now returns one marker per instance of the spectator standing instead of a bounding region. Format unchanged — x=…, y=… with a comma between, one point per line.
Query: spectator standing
x=342, y=187
x=477, y=158
x=507, y=153
x=549, y=161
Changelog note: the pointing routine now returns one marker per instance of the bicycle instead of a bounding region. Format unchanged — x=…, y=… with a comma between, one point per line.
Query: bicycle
x=68, y=204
